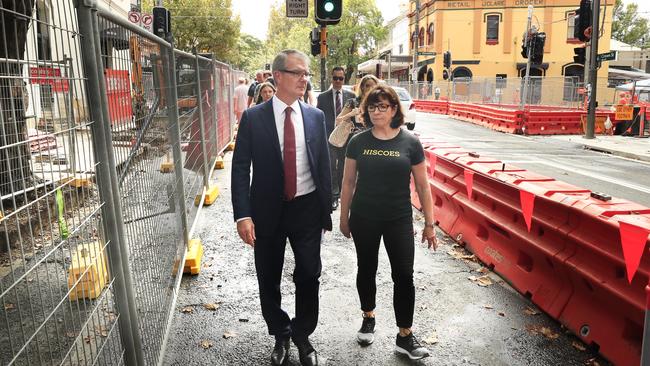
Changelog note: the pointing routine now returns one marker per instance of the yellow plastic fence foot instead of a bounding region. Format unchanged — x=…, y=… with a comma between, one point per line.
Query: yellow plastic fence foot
x=166, y=167
x=89, y=268
x=231, y=146
x=193, y=257
x=210, y=196
x=219, y=163
x=80, y=183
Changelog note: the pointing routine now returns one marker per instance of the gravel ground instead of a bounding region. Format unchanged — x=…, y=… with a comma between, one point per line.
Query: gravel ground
x=218, y=319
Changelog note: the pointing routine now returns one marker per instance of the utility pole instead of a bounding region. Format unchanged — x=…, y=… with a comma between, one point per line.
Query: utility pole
x=323, y=57
x=524, y=93
x=416, y=43
x=593, y=70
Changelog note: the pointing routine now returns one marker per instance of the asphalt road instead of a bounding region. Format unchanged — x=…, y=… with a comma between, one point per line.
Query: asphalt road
x=562, y=160
x=218, y=320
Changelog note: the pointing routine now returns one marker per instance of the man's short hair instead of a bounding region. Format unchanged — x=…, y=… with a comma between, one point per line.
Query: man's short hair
x=338, y=68
x=280, y=61
x=259, y=72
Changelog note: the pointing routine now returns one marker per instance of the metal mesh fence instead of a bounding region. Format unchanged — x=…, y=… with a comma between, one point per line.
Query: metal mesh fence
x=57, y=290
x=568, y=92
x=103, y=167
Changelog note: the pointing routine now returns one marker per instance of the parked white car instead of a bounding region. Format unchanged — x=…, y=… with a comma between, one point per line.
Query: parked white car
x=408, y=107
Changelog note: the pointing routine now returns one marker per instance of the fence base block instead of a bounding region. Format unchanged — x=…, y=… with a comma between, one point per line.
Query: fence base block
x=89, y=267
x=166, y=167
x=210, y=196
x=219, y=163
x=193, y=257
x=231, y=146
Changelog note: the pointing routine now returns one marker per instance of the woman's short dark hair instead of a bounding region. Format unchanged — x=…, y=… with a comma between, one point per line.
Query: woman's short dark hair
x=380, y=93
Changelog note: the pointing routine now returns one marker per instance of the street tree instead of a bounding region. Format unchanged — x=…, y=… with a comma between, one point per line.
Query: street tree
x=249, y=58
x=355, y=39
x=208, y=25
x=15, y=171
x=628, y=26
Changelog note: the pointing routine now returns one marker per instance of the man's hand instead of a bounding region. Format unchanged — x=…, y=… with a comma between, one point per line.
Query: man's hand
x=246, y=231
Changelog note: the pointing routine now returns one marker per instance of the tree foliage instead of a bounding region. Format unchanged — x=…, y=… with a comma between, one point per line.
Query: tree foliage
x=355, y=39
x=628, y=26
x=207, y=24
x=351, y=42
x=249, y=55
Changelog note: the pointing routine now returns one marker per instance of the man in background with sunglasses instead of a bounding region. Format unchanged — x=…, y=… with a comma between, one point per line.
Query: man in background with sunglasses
x=331, y=103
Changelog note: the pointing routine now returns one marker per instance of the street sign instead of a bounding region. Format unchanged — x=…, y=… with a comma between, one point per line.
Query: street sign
x=147, y=21
x=624, y=112
x=426, y=53
x=297, y=8
x=607, y=56
x=134, y=17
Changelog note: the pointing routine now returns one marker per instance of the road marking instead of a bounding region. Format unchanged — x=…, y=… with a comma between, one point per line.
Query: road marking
x=597, y=176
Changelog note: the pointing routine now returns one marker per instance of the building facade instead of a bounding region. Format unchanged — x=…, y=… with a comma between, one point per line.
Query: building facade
x=485, y=37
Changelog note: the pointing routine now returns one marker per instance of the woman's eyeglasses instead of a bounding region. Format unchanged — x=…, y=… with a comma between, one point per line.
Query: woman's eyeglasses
x=380, y=107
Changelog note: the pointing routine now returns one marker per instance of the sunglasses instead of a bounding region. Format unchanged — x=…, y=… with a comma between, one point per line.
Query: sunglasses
x=338, y=78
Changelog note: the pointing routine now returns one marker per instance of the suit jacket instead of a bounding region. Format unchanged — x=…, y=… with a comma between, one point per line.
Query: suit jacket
x=326, y=104
x=257, y=143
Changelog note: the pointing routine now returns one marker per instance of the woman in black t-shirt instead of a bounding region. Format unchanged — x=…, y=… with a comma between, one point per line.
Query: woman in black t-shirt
x=376, y=203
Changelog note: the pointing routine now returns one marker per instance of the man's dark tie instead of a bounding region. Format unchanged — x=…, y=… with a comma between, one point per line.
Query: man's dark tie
x=338, y=102
x=289, y=155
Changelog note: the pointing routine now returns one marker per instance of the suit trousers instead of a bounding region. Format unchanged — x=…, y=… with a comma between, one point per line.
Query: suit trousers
x=300, y=222
x=337, y=162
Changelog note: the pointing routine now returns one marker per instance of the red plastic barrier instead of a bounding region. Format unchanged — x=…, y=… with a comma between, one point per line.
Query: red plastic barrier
x=493, y=117
x=535, y=120
x=564, y=253
x=432, y=106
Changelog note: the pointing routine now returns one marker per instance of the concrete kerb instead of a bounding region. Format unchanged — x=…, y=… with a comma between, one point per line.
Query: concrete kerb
x=623, y=146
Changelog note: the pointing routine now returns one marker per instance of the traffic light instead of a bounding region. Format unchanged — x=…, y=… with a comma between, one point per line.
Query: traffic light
x=537, y=52
x=446, y=59
x=582, y=21
x=162, y=22
x=579, y=56
x=314, y=38
x=445, y=74
x=328, y=12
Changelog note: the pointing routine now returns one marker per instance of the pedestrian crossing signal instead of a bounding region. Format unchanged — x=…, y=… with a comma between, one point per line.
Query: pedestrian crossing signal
x=328, y=12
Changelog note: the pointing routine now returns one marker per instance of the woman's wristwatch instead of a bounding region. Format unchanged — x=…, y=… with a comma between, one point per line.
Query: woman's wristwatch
x=429, y=224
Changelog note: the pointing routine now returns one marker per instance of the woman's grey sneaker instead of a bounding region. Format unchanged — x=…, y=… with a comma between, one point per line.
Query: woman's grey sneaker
x=366, y=335
x=410, y=346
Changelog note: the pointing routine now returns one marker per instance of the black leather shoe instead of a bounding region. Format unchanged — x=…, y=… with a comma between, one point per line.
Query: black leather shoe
x=306, y=352
x=280, y=352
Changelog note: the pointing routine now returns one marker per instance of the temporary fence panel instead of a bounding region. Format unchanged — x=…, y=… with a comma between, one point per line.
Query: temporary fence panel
x=97, y=204
x=59, y=289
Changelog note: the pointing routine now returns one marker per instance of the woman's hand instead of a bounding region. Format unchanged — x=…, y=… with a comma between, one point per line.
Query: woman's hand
x=344, y=225
x=429, y=234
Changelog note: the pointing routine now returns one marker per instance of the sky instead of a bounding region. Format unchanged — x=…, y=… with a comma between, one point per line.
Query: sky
x=255, y=18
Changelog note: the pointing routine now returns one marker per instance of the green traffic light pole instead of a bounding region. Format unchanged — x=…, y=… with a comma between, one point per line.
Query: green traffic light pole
x=593, y=71
x=524, y=90
x=323, y=57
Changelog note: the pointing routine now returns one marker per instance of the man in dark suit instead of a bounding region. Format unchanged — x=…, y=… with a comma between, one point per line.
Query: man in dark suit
x=331, y=103
x=289, y=197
